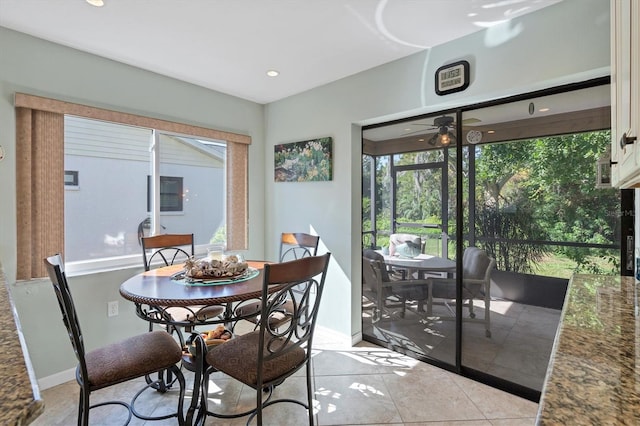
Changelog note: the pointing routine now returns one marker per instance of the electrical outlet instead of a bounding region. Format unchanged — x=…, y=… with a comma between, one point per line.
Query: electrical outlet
x=112, y=309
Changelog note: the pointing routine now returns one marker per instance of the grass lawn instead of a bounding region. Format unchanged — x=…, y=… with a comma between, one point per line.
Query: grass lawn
x=554, y=265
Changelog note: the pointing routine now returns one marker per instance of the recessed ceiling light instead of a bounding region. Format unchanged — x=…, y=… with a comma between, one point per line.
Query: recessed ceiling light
x=96, y=3
x=273, y=73
x=491, y=131
x=544, y=109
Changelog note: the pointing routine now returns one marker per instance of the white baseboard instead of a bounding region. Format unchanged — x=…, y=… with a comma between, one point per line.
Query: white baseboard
x=56, y=379
x=332, y=335
x=356, y=338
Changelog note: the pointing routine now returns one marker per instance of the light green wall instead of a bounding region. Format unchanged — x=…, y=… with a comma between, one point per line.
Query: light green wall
x=564, y=43
x=567, y=42
x=34, y=66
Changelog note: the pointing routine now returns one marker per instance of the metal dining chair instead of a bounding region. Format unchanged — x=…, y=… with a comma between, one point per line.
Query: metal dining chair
x=297, y=245
x=266, y=357
x=135, y=357
x=165, y=250
x=293, y=246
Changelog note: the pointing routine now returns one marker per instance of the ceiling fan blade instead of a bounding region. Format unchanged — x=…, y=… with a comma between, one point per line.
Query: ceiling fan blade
x=417, y=131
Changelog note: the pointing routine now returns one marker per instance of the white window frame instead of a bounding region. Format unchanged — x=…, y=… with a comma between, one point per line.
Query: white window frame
x=132, y=261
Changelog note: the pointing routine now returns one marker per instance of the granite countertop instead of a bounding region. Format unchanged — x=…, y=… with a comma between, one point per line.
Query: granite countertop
x=594, y=370
x=20, y=401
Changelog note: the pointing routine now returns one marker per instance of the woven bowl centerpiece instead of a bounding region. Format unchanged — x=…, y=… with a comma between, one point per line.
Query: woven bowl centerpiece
x=228, y=266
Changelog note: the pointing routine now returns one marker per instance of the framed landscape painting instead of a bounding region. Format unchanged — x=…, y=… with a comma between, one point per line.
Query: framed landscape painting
x=305, y=161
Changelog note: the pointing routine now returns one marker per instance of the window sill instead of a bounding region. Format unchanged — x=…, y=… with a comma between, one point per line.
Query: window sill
x=107, y=264
x=118, y=263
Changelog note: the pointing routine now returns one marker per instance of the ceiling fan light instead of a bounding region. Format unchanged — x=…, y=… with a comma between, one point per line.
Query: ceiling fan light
x=445, y=139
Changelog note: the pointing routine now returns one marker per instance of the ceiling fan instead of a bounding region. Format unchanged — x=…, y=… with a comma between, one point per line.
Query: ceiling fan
x=444, y=126
x=444, y=135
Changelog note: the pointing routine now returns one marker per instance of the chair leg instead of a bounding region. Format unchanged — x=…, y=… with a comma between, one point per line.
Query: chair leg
x=199, y=400
x=471, y=313
x=165, y=377
x=375, y=315
x=183, y=389
x=258, y=407
x=83, y=408
x=487, y=313
x=309, y=393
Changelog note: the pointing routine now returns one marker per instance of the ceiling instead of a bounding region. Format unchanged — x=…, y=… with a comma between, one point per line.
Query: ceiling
x=228, y=46
x=575, y=111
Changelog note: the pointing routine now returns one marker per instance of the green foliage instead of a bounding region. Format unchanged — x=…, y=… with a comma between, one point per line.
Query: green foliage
x=553, y=181
x=525, y=191
x=507, y=229
x=220, y=236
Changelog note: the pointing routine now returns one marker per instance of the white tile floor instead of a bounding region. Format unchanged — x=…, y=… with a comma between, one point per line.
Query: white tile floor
x=518, y=350
x=362, y=385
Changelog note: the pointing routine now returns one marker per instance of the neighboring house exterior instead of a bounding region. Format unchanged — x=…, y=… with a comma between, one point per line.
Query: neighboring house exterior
x=101, y=220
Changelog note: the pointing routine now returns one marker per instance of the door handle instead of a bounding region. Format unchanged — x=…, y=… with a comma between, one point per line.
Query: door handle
x=626, y=140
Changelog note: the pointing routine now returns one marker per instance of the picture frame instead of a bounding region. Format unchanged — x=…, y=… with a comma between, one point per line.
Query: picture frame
x=304, y=161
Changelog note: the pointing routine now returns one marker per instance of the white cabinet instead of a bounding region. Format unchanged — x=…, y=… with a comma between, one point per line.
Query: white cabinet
x=625, y=99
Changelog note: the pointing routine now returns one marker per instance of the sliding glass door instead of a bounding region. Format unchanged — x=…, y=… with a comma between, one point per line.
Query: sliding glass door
x=507, y=193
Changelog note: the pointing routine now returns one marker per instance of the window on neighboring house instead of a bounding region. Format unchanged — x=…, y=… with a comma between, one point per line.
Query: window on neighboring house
x=170, y=193
x=71, y=178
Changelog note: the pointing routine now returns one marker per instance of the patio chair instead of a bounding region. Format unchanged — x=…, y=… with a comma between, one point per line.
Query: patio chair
x=387, y=290
x=477, y=267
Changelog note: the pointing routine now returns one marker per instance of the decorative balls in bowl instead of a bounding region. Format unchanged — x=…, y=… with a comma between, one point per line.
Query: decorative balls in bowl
x=214, y=337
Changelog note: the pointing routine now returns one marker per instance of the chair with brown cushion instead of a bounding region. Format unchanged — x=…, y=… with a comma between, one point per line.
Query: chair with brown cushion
x=266, y=357
x=292, y=246
x=165, y=250
x=477, y=267
x=118, y=362
x=387, y=290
